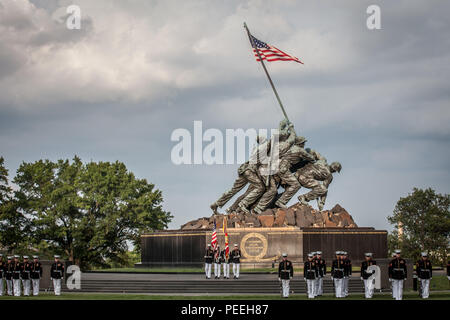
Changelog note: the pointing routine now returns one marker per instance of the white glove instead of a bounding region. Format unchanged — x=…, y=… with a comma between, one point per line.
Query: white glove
x=279, y=279
x=362, y=278
x=390, y=279
x=51, y=279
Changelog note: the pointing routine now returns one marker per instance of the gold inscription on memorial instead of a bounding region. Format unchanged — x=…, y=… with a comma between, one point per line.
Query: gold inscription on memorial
x=254, y=246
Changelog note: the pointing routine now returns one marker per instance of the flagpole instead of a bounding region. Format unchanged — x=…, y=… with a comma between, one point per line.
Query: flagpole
x=265, y=69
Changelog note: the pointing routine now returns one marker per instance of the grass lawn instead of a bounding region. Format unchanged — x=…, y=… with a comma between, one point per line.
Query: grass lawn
x=439, y=283
x=113, y=296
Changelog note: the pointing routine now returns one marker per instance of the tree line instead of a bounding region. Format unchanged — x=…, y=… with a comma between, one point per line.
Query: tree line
x=90, y=213
x=421, y=222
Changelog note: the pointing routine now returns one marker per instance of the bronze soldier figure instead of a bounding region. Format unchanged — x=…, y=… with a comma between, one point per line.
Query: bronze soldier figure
x=317, y=176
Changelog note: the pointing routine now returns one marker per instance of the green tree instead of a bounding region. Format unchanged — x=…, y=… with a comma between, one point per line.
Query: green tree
x=424, y=217
x=90, y=213
x=14, y=225
x=5, y=190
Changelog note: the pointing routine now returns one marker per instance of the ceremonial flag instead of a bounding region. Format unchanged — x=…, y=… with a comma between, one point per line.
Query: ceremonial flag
x=214, y=237
x=270, y=53
x=263, y=51
x=227, y=250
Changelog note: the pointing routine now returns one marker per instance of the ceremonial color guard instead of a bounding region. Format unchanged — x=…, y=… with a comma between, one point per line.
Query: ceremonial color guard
x=16, y=276
x=337, y=274
x=322, y=266
x=311, y=273
x=9, y=276
x=236, y=259
x=36, y=274
x=209, y=256
x=57, y=275
x=424, y=272
x=217, y=262
x=369, y=283
x=285, y=274
x=226, y=260
x=397, y=275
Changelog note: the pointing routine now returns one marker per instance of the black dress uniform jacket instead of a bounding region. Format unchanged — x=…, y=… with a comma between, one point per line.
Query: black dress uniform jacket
x=364, y=265
x=285, y=270
x=236, y=256
x=310, y=270
x=36, y=270
x=2, y=269
x=397, y=269
x=9, y=270
x=16, y=270
x=337, y=268
x=347, y=268
x=321, y=266
x=424, y=269
x=57, y=270
x=25, y=270
x=209, y=256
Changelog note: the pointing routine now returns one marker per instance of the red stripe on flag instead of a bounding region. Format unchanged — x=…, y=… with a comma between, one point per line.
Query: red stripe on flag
x=274, y=54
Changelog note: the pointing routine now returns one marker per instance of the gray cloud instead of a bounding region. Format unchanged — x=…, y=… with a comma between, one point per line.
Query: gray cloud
x=377, y=101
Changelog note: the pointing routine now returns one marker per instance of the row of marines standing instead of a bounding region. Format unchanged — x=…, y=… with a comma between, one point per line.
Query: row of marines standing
x=341, y=269
x=26, y=275
x=314, y=269
x=222, y=258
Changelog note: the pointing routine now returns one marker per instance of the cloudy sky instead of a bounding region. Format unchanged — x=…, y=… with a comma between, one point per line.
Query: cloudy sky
x=375, y=100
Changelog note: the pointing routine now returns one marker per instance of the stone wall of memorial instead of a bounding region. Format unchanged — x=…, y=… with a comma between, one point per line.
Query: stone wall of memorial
x=173, y=248
x=355, y=241
x=261, y=247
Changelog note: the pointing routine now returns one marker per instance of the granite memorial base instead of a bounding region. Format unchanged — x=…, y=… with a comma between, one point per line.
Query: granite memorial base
x=261, y=247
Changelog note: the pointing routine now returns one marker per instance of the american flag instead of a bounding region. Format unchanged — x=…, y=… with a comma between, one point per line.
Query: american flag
x=270, y=53
x=214, y=237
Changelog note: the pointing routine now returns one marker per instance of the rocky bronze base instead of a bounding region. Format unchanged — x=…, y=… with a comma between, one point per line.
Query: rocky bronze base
x=298, y=215
x=261, y=246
